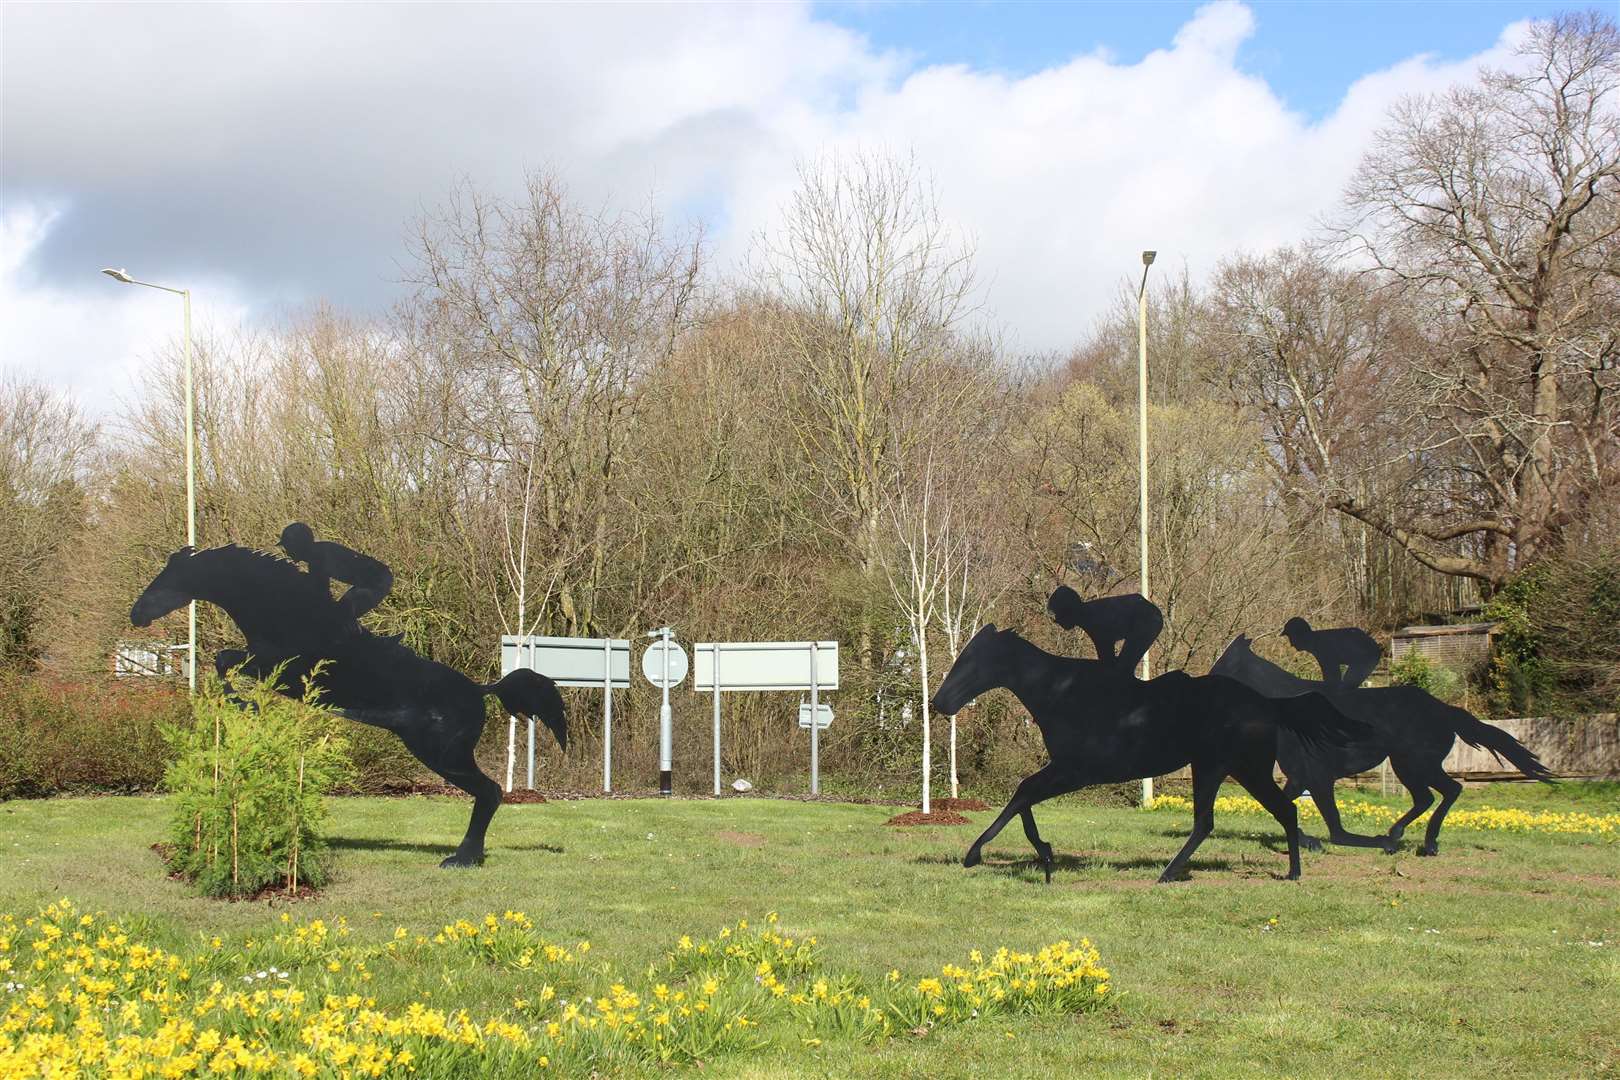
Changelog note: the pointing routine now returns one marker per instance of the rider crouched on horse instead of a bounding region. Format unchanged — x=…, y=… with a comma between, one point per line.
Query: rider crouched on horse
x=369, y=581
x=1130, y=623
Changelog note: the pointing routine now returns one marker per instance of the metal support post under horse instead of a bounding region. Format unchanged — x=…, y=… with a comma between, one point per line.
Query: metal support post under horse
x=716, y=648
x=531, y=726
x=607, y=716
x=815, y=717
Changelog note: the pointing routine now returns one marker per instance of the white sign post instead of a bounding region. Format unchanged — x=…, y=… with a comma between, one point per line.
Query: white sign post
x=592, y=663
x=664, y=664
x=767, y=665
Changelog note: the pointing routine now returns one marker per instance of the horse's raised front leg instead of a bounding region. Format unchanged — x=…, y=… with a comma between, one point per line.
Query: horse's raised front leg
x=1337, y=833
x=1034, y=787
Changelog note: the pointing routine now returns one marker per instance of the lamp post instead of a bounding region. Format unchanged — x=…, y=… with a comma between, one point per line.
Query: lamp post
x=1142, y=463
x=191, y=475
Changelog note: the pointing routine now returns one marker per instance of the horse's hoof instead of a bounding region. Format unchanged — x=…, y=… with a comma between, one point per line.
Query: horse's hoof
x=1292, y=875
x=1168, y=878
x=1392, y=848
x=1309, y=843
x=1429, y=849
x=461, y=862
x=971, y=859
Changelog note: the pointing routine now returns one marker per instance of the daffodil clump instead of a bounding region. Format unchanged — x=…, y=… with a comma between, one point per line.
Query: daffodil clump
x=1484, y=817
x=83, y=995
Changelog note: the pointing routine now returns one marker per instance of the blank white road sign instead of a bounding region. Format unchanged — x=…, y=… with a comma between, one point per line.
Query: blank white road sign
x=765, y=665
x=824, y=716
x=568, y=661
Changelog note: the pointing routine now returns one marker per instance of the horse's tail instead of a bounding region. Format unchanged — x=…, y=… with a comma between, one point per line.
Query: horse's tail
x=531, y=695
x=1314, y=721
x=1480, y=735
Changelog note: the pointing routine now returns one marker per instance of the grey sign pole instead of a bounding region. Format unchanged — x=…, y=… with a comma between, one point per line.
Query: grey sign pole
x=815, y=728
x=716, y=717
x=607, y=716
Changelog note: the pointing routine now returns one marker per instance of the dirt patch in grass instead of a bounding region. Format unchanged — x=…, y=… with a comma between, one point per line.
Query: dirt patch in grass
x=741, y=839
x=958, y=804
x=938, y=817
x=516, y=797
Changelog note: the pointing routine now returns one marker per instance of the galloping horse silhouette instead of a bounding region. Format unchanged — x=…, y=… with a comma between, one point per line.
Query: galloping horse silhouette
x=1406, y=724
x=288, y=616
x=1101, y=725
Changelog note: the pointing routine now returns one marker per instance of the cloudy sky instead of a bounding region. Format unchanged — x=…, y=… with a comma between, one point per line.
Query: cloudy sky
x=270, y=156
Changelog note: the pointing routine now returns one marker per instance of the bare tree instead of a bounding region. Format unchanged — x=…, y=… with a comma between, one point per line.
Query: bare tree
x=535, y=320
x=1495, y=207
x=873, y=285
x=47, y=448
x=925, y=558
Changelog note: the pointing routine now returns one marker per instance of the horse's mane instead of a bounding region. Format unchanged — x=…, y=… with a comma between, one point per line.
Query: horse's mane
x=1240, y=655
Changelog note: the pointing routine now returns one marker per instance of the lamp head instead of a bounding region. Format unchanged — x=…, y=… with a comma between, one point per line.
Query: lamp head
x=1147, y=257
x=119, y=275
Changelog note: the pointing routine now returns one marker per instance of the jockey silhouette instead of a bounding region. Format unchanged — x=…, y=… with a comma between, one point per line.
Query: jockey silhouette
x=1354, y=650
x=1133, y=620
x=369, y=581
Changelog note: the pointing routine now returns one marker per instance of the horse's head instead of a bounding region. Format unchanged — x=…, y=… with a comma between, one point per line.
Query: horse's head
x=170, y=591
x=980, y=667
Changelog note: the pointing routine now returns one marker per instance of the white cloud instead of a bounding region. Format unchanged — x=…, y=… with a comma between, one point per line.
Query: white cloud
x=268, y=155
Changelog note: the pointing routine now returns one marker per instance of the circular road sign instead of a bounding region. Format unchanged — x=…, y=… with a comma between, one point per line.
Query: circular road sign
x=652, y=663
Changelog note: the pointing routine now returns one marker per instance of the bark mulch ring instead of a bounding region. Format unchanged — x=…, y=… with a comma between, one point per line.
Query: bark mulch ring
x=938, y=817
x=958, y=804
x=269, y=894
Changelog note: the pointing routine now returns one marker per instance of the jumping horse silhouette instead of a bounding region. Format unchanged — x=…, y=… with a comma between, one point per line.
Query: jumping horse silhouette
x=1102, y=726
x=288, y=616
x=1406, y=724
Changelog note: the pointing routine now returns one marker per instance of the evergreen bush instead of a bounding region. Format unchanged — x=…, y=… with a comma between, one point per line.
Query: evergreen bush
x=1412, y=668
x=249, y=777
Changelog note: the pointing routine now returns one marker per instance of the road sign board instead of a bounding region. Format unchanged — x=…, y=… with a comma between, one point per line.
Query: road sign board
x=765, y=665
x=568, y=661
x=652, y=663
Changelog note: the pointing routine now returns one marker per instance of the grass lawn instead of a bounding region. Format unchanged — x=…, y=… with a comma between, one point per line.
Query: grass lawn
x=1502, y=955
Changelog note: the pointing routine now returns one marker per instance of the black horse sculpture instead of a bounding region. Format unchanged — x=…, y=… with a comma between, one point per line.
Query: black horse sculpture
x=288, y=616
x=1101, y=725
x=1406, y=724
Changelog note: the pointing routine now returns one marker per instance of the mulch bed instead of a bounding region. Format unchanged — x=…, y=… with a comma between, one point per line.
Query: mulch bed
x=938, y=817
x=269, y=894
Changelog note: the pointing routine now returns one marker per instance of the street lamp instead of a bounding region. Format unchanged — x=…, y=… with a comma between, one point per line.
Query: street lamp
x=122, y=275
x=1142, y=462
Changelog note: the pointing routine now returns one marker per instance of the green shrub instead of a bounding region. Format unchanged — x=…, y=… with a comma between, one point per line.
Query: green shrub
x=248, y=787
x=1412, y=668
x=86, y=734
